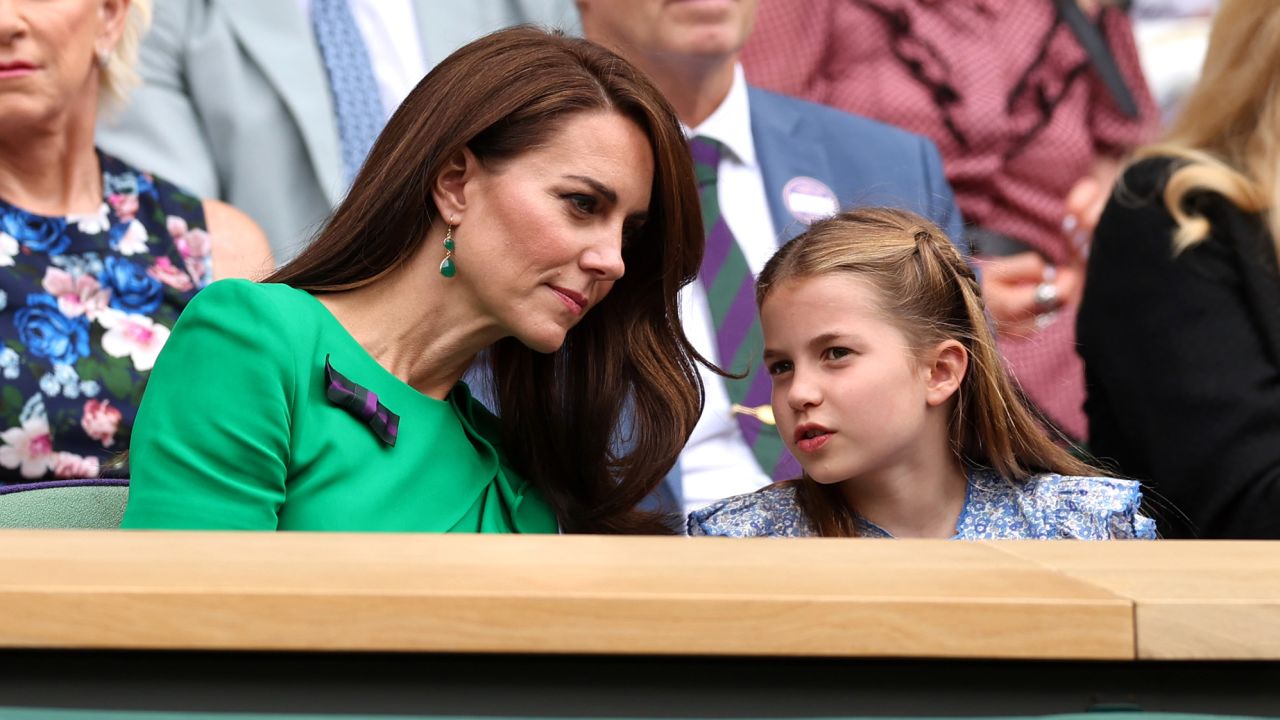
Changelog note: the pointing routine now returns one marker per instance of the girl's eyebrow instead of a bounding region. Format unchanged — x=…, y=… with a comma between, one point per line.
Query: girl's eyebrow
x=830, y=337
x=818, y=341
x=815, y=342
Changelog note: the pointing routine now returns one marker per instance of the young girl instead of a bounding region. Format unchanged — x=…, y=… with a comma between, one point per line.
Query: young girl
x=888, y=389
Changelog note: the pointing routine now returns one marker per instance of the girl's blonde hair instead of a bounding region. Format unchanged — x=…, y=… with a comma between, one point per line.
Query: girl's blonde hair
x=1228, y=132
x=120, y=73
x=930, y=293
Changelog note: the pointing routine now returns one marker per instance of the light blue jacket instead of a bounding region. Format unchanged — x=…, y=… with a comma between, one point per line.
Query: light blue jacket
x=235, y=102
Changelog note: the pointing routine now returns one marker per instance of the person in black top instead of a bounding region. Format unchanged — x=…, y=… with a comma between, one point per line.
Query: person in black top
x=1180, y=323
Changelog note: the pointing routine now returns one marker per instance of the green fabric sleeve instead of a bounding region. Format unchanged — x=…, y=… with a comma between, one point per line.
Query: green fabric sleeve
x=210, y=448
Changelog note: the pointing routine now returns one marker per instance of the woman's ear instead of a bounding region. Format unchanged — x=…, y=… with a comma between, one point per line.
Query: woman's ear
x=112, y=16
x=946, y=366
x=450, y=188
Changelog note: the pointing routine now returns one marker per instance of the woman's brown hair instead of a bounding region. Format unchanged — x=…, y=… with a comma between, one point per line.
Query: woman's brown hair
x=628, y=359
x=928, y=291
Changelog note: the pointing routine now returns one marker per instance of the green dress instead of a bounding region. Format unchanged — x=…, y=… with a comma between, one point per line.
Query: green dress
x=237, y=431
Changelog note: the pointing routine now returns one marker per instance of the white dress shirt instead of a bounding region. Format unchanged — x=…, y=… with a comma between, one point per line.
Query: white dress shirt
x=717, y=462
x=389, y=29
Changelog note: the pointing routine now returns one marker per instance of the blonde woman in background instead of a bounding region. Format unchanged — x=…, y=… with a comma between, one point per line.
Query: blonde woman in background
x=1180, y=324
x=97, y=258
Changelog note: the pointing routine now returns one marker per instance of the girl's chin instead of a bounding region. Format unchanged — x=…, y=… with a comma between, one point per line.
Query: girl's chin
x=823, y=478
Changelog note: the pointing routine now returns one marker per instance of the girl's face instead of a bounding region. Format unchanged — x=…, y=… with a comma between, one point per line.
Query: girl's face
x=849, y=394
x=540, y=242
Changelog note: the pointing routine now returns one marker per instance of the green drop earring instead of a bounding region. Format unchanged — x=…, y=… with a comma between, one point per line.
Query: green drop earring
x=447, y=268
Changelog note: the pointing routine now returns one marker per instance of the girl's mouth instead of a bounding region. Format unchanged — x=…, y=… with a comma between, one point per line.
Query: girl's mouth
x=810, y=438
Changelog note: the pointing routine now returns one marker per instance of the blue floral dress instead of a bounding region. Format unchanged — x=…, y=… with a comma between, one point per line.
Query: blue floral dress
x=86, y=303
x=1042, y=507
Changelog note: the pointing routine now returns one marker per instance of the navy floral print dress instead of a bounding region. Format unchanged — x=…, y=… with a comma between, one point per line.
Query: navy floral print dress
x=86, y=303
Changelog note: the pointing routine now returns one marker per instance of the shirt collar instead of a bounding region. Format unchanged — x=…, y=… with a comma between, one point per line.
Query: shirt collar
x=730, y=123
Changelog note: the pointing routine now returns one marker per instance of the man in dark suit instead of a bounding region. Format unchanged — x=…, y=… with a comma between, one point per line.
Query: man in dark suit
x=771, y=164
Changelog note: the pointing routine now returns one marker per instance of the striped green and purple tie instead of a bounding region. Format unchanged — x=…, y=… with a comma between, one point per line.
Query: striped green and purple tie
x=730, y=287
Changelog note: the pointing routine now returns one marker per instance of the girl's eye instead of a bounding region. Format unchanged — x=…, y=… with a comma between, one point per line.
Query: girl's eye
x=584, y=204
x=780, y=367
x=837, y=353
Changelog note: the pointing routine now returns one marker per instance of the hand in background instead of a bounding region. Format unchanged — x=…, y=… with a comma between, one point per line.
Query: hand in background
x=1011, y=286
x=1085, y=202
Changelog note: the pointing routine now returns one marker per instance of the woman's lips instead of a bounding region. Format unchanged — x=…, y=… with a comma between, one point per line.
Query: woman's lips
x=575, y=301
x=16, y=69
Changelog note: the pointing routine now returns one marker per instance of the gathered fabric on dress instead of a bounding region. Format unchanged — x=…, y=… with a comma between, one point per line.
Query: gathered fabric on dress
x=1042, y=507
x=86, y=303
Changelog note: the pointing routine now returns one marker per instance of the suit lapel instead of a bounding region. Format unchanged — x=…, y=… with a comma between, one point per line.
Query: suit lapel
x=785, y=151
x=276, y=35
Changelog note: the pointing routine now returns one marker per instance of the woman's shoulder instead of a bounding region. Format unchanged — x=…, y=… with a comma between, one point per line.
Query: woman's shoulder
x=1142, y=186
x=232, y=293
x=280, y=309
x=1145, y=179
x=770, y=511
x=1082, y=507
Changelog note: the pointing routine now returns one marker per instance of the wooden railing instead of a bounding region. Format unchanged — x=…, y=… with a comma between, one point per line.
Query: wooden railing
x=639, y=596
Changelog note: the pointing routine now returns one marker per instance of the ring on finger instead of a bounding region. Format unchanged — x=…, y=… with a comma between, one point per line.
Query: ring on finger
x=1046, y=297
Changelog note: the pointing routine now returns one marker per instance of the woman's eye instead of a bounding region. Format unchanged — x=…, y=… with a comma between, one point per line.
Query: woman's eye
x=779, y=367
x=584, y=204
x=836, y=353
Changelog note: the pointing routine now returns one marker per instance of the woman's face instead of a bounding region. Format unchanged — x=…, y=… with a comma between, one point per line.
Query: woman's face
x=539, y=241
x=47, y=57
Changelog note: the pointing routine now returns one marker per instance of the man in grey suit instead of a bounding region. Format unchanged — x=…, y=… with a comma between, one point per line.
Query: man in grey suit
x=237, y=102
x=779, y=163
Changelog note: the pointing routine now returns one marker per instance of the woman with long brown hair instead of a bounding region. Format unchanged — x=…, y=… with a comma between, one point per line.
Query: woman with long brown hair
x=888, y=388
x=496, y=214
x=1180, y=324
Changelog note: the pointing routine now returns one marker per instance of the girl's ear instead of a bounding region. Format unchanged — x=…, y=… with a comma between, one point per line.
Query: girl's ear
x=946, y=366
x=450, y=188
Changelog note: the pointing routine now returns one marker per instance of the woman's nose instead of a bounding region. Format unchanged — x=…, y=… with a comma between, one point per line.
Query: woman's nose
x=604, y=260
x=11, y=26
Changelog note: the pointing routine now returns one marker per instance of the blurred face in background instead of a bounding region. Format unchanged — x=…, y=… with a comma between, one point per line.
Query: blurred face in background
x=688, y=29
x=48, y=57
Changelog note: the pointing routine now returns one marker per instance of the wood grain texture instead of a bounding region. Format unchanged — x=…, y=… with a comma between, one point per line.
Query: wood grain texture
x=1193, y=600
x=548, y=594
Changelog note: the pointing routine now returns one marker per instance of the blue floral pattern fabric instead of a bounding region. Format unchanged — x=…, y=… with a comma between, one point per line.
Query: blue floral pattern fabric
x=1042, y=507
x=86, y=303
